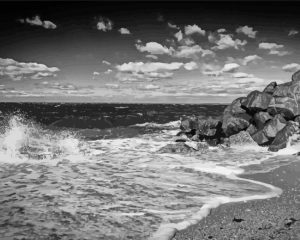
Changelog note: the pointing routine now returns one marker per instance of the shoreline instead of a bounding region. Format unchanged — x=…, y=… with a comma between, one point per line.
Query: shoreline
x=272, y=218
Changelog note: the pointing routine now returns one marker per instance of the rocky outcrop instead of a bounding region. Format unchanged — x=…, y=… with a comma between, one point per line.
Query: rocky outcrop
x=235, y=118
x=282, y=138
x=269, y=118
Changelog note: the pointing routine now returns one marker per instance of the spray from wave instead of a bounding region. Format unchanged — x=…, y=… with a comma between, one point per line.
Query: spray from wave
x=22, y=139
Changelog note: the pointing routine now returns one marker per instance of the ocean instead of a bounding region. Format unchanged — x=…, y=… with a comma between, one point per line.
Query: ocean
x=94, y=171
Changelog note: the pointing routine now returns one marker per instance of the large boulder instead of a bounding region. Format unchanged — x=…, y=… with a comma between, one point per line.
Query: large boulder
x=252, y=129
x=257, y=101
x=282, y=138
x=261, y=118
x=208, y=127
x=274, y=126
x=235, y=118
x=241, y=138
x=260, y=138
x=296, y=77
x=288, y=107
x=189, y=123
x=270, y=88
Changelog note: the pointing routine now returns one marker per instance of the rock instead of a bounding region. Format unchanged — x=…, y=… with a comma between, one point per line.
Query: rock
x=288, y=107
x=251, y=129
x=270, y=88
x=260, y=138
x=257, y=101
x=296, y=77
x=208, y=127
x=176, y=148
x=261, y=118
x=282, y=138
x=240, y=138
x=235, y=118
x=198, y=146
x=297, y=119
x=274, y=126
x=189, y=123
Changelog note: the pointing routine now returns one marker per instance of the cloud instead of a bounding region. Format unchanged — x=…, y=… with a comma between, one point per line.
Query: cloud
x=190, y=66
x=112, y=85
x=124, y=31
x=211, y=70
x=248, y=31
x=36, y=21
x=106, y=62
x=148, y=67
x=160, y=18
x=140, y=71
x=274, y=48
x=96, y=73
x=192, y=52
x=221, y=30
x=149, y=87
x=230, y=67
x=154, y=48
x=226, y=41
x=191, y=29
x=293, y=32
x=20, y=70
x=108, y=71
x=172, y=25
x=292, y=67
x=242, y=75
x=151, y=56
x=104, y=24
x=178, y=35
x=250, y=58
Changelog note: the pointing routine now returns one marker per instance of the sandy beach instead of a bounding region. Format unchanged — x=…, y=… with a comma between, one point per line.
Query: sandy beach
x=275, y=218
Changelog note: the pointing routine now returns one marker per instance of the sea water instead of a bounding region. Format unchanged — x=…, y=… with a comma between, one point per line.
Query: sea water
x=111, y=182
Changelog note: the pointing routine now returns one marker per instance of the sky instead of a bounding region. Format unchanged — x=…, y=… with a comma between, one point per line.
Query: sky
x=145, y=52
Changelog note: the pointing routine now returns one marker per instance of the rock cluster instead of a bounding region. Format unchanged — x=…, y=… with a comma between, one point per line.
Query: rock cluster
x=270, y=117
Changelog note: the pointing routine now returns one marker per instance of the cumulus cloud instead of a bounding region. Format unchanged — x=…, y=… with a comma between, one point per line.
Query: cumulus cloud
x=293, y=32
x=140, y=71
x=226, y=41
x=108, y=71
x=221, y=30
x=274, y=48
x=112, y=85
x=153, y=48
x=96, y=73
x=148, y=67
x=192, y=52
x=211, y=70
x=106, y=62
x=151, y=56
x=191, y=65
x=149, y=87
x=124, y=31
x=170, y=25
x=242, y=75
x=250, y=58
x=36, y=21
x=19, y=70
x=191, y=29
x=230, y=67
x=248, y=31
x=292, y=67
x=178, y=35
x=104, y=24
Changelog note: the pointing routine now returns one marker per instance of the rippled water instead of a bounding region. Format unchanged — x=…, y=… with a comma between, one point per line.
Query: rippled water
x=62, y=184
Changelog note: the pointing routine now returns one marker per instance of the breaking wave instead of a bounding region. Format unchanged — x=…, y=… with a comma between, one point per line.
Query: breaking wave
x=79, y=180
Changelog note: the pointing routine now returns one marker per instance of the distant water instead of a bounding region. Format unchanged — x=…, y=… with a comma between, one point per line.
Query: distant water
x=93, y=171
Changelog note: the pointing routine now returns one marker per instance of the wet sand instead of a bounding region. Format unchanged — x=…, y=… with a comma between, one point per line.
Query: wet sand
x=275, y=218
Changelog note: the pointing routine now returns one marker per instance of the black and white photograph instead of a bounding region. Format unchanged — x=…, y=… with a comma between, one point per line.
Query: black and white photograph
x=150, y=120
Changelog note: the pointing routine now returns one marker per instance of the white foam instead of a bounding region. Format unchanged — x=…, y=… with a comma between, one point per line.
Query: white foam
x=167, y=231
